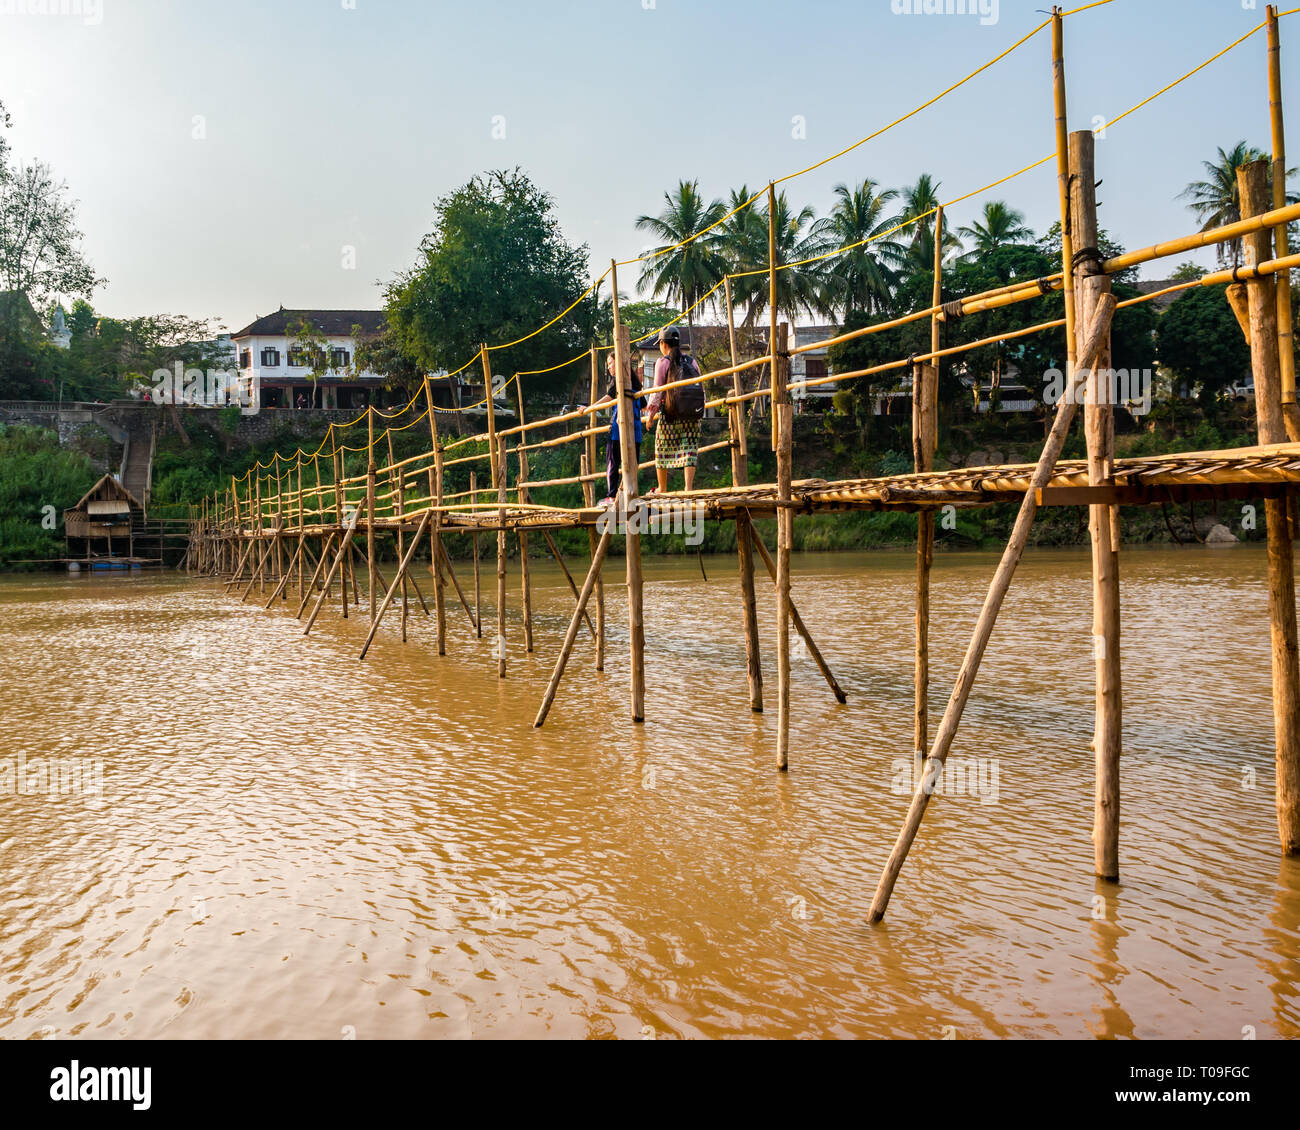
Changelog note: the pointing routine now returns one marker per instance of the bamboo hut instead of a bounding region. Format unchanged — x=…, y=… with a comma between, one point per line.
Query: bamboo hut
x=103, y=523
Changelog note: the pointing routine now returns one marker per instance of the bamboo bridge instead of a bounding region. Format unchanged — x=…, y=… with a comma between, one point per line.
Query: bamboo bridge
x=305, y=525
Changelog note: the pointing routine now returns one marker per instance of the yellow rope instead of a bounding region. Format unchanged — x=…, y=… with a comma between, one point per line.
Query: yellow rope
x=924, y=105
x=561, y=365
x=543, y=329
x=1211, y=59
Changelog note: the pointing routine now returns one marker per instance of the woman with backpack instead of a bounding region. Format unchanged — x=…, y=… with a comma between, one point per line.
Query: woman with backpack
x=677, y=434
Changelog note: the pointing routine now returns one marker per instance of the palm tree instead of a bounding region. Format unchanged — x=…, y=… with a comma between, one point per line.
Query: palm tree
x=798, y=289
x=743, y=246
x=917, y=200
x=998, y=226
x=1214, y=201
x=862, y=279
x=684, y=274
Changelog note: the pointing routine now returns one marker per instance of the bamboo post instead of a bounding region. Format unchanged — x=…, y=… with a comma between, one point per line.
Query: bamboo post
x=525, y=577
x=602, y=547
x=1063, y=186
x=744, y=525
x=587, y=466
x=1091, y=285
x=435, y=530
x=588, y=493
x=1285, y=338
x=397, y=478
x=337, y=458
x=739, y=434
x=302, y=533
x=1098, y=332
x=279, y=519
x=632, y=504
x=782, y=415
x=925, y=427
x=782, y=442
x=478, y=584
x=491, y=411
x=500, y=464
x=261, y=534
x=371, y=563
x=1265, y=365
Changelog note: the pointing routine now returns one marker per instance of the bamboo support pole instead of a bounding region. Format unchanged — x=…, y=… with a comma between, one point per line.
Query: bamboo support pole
x=586, y=466
x=1063, y=184
x=631, y=504
x=1266, y=367
x=372, y=562
x=338, y=521
x=491, y=412
x=399, y=505
x=1091, y=285
x=521, y=493
x=799, y=625
x=261, y=528
x=1285, y=336
x=435, y=530
x=782, y=415
x=589, y=497
x=744, y=525
x=925, y=430
x=500, y=465
x=602, y=547
x=478, y=584
x=1098, y=332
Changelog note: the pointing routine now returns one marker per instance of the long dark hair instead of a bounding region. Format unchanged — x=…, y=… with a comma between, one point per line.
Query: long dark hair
x=675, y=361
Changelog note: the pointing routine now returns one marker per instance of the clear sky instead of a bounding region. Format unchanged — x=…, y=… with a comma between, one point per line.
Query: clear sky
x=226, y=152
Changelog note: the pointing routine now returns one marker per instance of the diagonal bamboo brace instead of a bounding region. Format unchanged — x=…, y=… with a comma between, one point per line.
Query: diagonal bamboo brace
x=797, y=621
x=602, y=548
x=402, y=567
x=1097, y=337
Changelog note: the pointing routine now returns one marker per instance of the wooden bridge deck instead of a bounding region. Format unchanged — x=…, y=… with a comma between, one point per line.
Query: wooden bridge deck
x=1233, y=474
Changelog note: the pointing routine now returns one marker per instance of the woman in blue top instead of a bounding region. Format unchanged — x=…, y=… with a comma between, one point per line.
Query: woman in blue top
x=613, y=449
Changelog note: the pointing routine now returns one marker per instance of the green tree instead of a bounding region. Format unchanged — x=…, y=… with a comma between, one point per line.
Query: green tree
x=1200, y=342
x=643, y=318
x=1188, y=272
x=495, y=267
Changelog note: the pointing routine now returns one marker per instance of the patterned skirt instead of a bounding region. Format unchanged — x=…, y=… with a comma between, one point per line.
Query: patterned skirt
x=677, y=444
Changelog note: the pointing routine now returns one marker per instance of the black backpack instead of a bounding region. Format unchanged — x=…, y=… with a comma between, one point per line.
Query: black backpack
x=685, y=404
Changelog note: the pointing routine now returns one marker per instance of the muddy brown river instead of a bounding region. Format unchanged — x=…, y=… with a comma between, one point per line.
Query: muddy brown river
x=213, y=827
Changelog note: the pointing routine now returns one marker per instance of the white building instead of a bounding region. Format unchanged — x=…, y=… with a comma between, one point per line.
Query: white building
x=269, y=355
